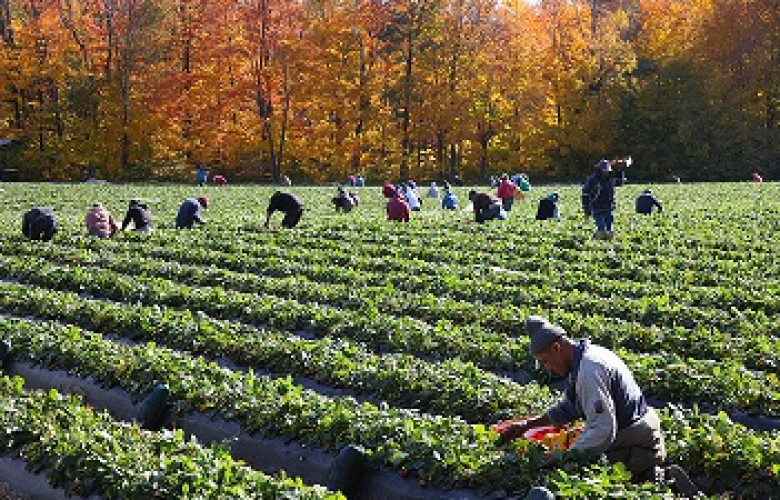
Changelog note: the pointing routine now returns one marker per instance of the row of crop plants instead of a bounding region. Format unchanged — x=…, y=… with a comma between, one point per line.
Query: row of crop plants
x=225, y=269
x=440, y=450
x=88, y=453
x=724, y=384
x=408, y=274
x=745, y=330
x=450, y=387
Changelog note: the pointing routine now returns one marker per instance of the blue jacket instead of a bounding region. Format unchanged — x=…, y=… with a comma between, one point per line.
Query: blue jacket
x=189, y=214
x=598, y=192
x=449, y=201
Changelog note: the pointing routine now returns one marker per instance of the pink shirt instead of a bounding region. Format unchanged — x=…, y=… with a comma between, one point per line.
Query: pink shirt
x=100, y=222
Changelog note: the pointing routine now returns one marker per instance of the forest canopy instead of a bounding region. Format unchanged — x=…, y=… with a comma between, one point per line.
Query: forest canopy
x=323, y=89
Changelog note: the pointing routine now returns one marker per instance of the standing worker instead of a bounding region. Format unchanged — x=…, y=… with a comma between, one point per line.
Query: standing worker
x=100, y=222
x=189, y=212
x=139, y=214
x=290, y=204
x=598, y=196
x=40, y=223
x=506, y=191
x=646, y=201
x=202, y=175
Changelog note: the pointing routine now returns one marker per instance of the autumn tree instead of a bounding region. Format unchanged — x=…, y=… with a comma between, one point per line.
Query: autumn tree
x=392, y=89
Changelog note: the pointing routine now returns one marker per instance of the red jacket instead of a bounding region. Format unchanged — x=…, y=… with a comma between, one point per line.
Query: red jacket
x=388, y=190
x=506, y=189
x=397, y=209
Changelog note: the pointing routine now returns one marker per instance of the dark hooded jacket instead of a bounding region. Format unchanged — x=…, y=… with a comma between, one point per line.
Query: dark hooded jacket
x=139, y=214
x=598, y=191
x=40, y=223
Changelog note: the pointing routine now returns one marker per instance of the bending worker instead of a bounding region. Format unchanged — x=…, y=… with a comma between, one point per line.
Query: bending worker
x=646, y=201
x=139, y=214
x=602, y=391
x=100, y=222
x=287, y=203
x=486, y=206
x=189, y=212
x=40, y=223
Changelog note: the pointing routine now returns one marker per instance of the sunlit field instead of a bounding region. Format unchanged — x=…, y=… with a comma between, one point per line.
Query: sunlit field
x=403, y=339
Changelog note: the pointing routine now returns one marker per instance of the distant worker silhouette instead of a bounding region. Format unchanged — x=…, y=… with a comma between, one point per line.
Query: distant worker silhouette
x=40, y=223
x=288, y=203
x=646, y=201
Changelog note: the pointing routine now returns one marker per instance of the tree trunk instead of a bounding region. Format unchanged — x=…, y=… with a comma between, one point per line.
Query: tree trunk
x=407, y=116
x=285, y=114
x=453, y=160
x=5, y=22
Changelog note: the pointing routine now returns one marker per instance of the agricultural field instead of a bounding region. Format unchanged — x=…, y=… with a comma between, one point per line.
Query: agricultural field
x=403, y=339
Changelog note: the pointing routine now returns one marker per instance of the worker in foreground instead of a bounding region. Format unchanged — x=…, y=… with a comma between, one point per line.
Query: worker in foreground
x=601, y=391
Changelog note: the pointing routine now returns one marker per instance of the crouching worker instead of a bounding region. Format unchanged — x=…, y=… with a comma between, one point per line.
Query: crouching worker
x=291, y=205
x=139, y=214
x=396, y=207
x=646, y=201
x=345, y=201
x=40, y=224
x=548, y=207
x=486, y=207
x=100, y=222
x=189, y=212
x=449, y=201
x=601, y=391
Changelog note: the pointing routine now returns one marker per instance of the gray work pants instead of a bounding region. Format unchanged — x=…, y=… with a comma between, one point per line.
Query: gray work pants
x=640, y=446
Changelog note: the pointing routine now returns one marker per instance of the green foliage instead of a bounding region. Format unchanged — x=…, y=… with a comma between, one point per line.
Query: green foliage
x=422, y=322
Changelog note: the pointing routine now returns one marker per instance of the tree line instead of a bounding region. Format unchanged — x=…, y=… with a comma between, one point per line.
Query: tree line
x=322, y=89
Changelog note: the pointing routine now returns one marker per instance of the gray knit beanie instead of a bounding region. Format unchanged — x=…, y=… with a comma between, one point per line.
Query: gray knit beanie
x=541, y=333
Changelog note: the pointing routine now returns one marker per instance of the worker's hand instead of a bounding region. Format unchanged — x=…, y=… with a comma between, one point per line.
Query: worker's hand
x=513, y=432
